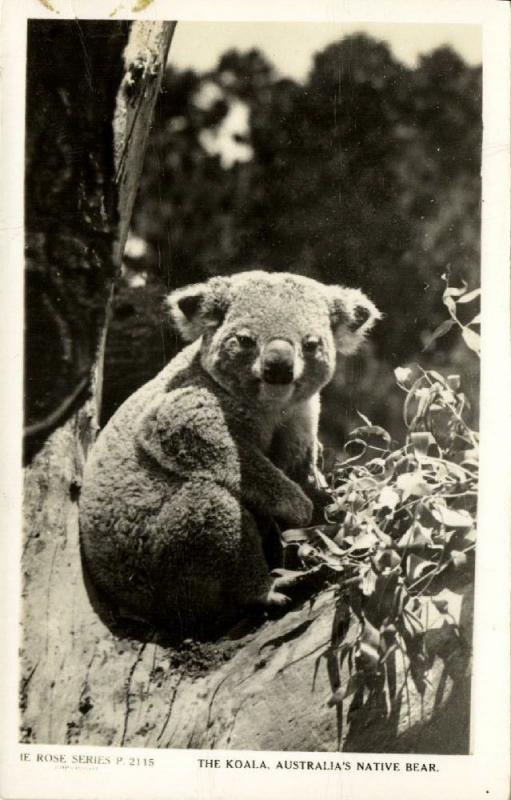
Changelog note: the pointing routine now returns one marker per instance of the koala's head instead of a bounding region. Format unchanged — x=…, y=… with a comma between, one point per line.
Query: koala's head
x=272, y=338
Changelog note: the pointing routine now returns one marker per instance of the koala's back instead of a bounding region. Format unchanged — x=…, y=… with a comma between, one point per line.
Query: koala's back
x=115, y=456
x=123, y=495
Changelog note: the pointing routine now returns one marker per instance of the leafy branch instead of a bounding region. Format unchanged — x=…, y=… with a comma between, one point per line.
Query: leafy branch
x=399, y=534
x=451, y=298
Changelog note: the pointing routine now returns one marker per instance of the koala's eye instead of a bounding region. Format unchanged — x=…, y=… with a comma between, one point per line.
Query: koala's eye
x=311, y=344
x=245, y=341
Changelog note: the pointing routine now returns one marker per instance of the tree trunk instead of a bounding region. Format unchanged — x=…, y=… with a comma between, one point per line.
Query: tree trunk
x=91, y=90
x=84, y=681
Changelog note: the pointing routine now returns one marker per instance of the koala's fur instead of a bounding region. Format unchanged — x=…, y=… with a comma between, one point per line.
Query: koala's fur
x=224, y=436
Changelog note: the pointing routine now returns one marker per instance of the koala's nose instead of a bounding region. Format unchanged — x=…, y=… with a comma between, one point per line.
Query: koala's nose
x=278, y=362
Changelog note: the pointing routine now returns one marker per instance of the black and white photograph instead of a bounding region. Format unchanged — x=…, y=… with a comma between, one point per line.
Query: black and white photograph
x=252, y=412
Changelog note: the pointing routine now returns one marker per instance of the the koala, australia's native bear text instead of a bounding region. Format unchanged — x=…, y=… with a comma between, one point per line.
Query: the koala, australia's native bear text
x=224, y=436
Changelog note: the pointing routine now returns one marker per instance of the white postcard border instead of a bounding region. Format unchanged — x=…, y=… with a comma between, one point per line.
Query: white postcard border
x=176, y=774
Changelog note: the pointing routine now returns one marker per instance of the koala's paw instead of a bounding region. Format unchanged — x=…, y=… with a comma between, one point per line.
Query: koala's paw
x=296, y=510
x=272, y=598
x=275, y=597
x=278, y=599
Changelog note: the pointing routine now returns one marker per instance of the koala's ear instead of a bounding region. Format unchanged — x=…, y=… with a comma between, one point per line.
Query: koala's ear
x=195, y=308
x=352, y=315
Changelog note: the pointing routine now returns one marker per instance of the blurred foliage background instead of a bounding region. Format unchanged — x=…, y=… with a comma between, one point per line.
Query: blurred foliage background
x=366, y=174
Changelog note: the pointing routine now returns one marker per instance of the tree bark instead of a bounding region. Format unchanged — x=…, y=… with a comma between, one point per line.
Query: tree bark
x=266, y=690
x=83, y=680
x=91, y=90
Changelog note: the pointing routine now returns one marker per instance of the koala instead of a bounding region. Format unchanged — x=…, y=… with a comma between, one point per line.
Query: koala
x=225, y=436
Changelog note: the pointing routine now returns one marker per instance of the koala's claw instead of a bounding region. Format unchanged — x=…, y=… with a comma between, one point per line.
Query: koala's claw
x=283, y=580
x=272, y=598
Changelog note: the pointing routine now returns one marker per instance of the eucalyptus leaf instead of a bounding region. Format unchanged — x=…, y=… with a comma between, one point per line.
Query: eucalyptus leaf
x=412, y=484
x=440, y=331
x=472, y=340
x=467, y=298
x=452, y=518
